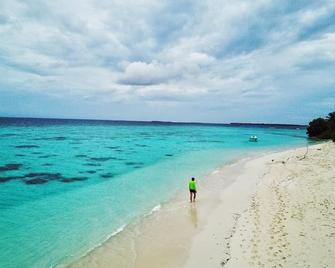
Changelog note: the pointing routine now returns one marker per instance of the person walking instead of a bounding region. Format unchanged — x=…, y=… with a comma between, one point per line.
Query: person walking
x=193, y=189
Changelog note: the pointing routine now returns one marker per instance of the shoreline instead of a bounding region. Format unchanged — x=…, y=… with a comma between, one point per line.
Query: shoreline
x=287, y=220
x=107, y=253
x=133, y=241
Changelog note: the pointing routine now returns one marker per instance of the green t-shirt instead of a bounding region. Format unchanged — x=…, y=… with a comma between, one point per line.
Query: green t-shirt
x=192, y=185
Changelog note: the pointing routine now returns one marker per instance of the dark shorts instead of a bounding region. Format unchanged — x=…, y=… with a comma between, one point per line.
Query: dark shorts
x=193, y=191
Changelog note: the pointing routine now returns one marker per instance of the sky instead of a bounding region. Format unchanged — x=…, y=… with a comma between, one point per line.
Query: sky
x=214, y=61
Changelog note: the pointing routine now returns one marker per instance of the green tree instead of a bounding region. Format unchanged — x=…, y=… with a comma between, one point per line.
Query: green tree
x=331, y=121
x=317, y=127
x=322, y=128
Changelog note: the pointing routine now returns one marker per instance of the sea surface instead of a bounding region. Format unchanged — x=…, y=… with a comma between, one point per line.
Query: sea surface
x=68, y=185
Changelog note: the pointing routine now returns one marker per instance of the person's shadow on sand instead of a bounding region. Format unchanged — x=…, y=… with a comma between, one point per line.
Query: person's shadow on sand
x=194, y=214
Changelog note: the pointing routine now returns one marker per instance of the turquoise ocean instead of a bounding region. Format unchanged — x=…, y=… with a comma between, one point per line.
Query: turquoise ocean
x=68, y=185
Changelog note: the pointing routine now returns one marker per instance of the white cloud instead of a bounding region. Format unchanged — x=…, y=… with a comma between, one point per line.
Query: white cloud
x=141, y=73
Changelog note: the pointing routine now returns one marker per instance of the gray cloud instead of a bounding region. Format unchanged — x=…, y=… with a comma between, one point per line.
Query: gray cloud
x=204, y=53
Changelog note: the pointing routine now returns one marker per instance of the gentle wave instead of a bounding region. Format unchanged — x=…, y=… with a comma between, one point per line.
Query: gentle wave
x=117, y=231
x=155, y=209
x=108, y=237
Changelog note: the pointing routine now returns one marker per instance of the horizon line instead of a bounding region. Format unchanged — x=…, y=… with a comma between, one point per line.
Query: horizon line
x=157, y=121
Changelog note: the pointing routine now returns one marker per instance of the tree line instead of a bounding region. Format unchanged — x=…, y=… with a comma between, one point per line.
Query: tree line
x=322, y=128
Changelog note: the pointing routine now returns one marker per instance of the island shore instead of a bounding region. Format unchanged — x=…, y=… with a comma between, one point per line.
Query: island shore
x=275, y=210
x=287, y=221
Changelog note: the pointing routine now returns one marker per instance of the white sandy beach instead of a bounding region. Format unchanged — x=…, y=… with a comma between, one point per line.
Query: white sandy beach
x=280, y=212
x=276, y=210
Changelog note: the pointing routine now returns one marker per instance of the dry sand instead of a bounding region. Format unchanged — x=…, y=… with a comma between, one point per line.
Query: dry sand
x=287, y=221
x=277, y=210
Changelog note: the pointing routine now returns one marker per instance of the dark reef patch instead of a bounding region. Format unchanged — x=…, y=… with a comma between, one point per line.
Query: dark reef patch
x=169, y=155
x=81, y=155
x=9, y=178
x=20, y=155
x=134, y=163
x=45, y=156
x=36, y=181
x=27, y=146
x=88, y=172
x=8, y=135
x=41, y=178
x=60, y=138
x=102, y=159
x=47, y=165
x=141, y=145
x=9, y=167
x=144, y=134
x=113, y=147
x=44, y=175
x=92, y=164
x=107, y=175
x=74, y=179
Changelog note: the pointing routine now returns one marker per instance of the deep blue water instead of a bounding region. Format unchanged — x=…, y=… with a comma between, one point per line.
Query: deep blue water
x=66, y=185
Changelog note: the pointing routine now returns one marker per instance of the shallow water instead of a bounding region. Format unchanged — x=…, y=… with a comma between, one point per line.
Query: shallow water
x=66, y=186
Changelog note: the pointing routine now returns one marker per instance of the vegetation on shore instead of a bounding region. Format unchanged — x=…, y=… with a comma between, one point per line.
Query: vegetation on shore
x=322, y=128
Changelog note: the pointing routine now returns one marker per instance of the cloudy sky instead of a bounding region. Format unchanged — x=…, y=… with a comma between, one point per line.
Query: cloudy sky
x=206, y=61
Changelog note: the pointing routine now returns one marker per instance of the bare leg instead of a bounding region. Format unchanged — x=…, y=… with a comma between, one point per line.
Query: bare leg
x=190, y=196
x=194, y=195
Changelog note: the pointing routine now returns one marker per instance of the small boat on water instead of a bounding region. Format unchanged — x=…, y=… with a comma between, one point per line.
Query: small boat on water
x=253, y=138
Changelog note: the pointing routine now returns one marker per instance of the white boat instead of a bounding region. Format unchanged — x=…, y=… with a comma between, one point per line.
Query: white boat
x=253, y=138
